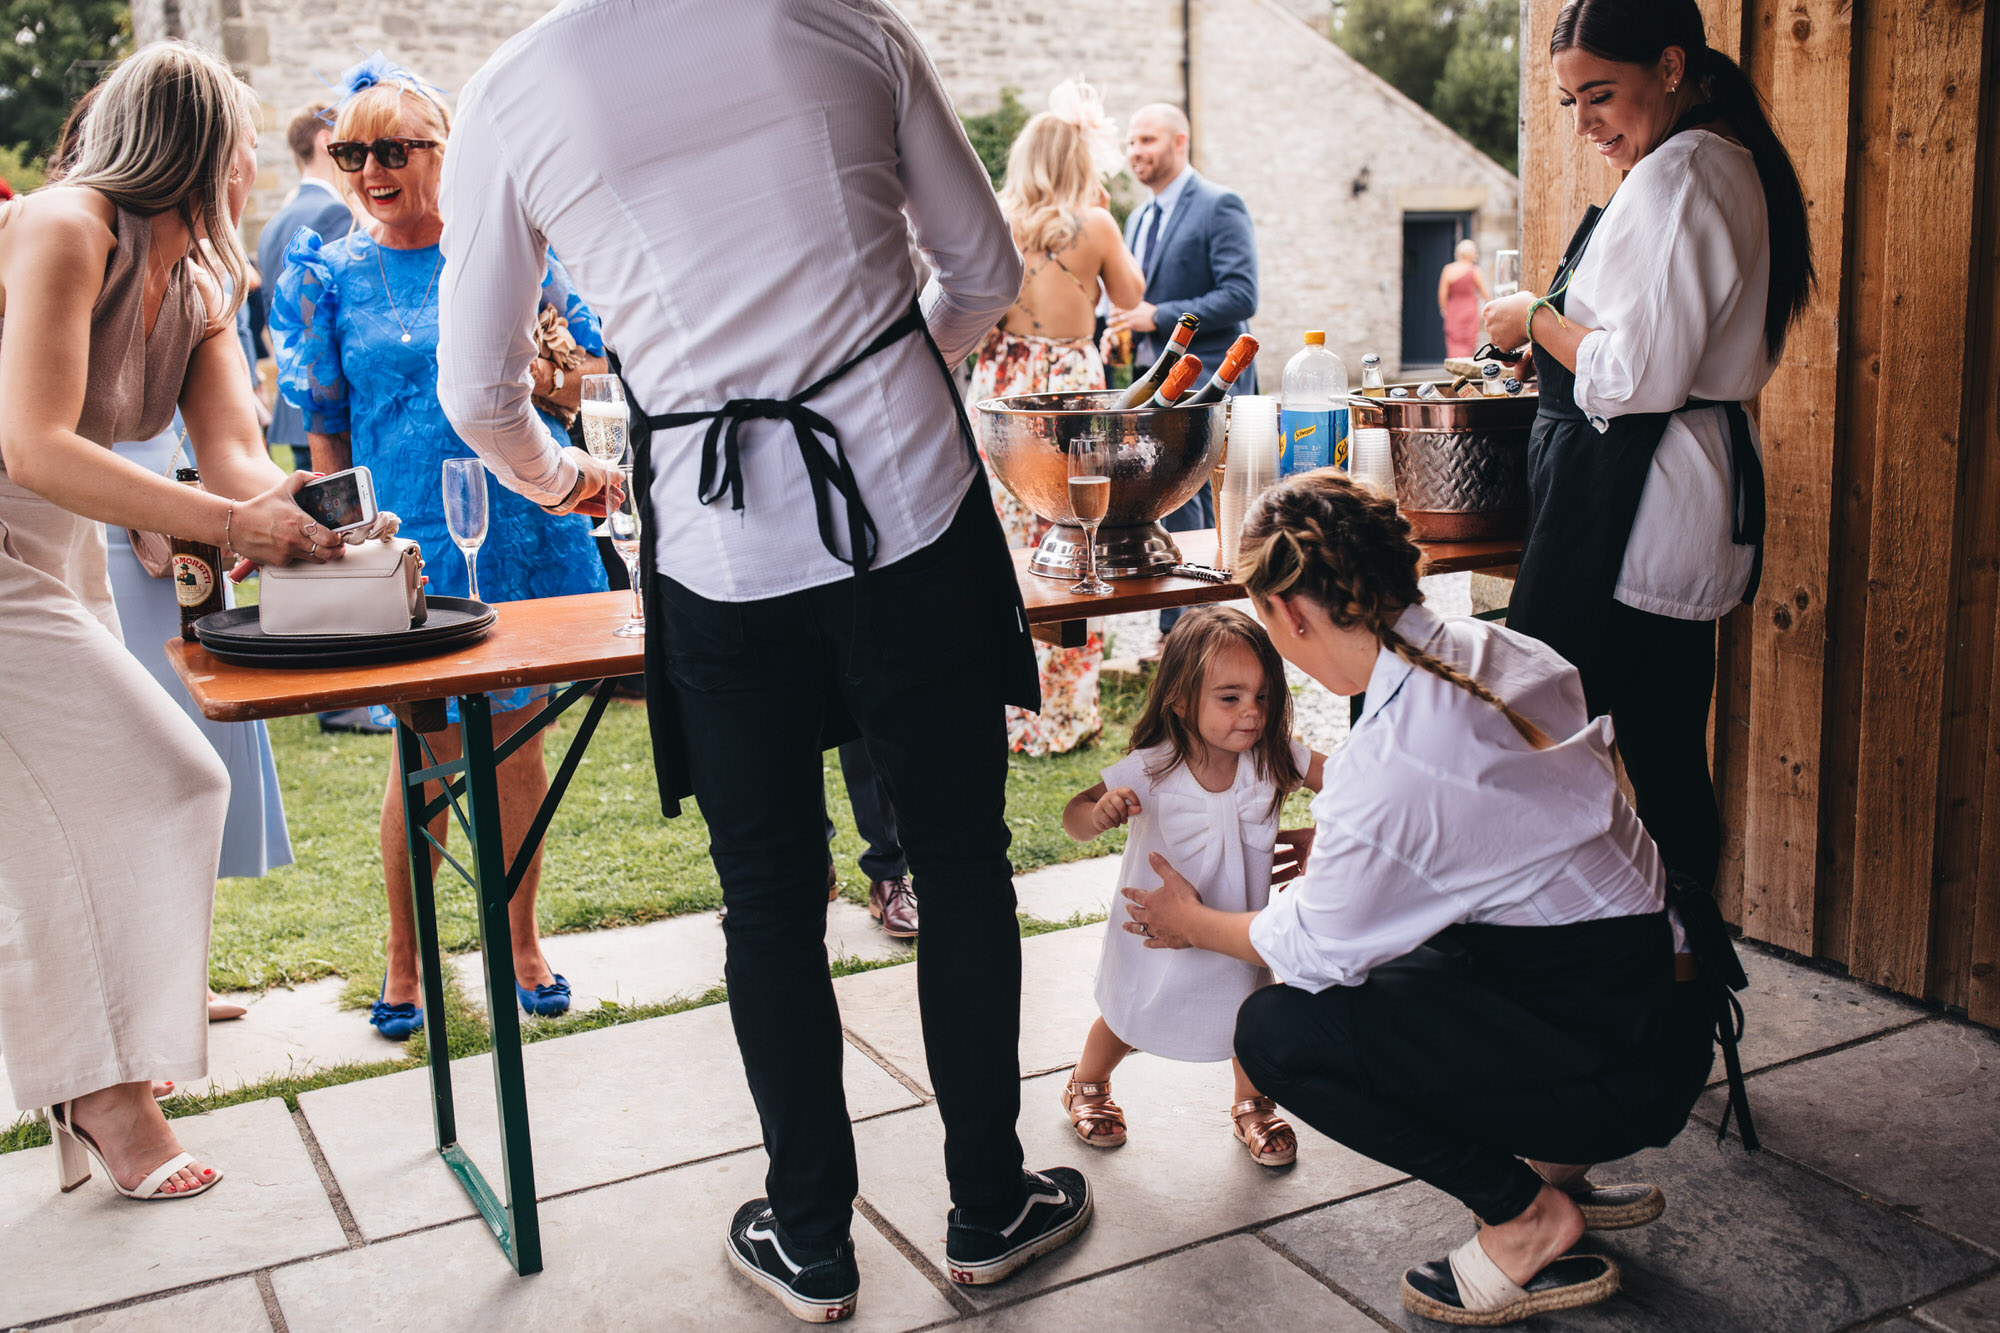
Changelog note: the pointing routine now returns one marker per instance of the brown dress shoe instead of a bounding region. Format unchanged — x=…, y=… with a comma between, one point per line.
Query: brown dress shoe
x=832, y=882
x=894, y=904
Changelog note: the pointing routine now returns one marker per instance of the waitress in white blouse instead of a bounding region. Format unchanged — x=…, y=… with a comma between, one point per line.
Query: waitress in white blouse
x=1670, y=309
x=1479, y=963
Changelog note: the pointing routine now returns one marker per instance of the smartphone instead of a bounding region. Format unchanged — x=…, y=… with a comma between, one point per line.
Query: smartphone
x=340, y=501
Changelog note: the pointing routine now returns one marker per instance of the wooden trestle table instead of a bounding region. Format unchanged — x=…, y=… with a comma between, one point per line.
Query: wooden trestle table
x=568, y=640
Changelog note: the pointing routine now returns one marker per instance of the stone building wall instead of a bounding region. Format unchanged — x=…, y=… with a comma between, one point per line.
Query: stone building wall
x=1281, y=115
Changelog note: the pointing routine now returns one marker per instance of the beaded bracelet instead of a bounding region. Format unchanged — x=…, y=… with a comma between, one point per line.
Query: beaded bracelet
x=228, y=520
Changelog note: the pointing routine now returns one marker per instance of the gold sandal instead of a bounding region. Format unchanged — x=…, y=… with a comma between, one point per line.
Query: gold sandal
x=1270, y=1138
x=1089, y=1118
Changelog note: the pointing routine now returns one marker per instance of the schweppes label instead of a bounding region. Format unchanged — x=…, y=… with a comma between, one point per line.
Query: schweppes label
x=193, y=580
x=1308, y=440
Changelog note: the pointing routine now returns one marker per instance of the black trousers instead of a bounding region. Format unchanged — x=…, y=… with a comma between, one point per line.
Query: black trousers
x=1428, y=1069
x=874, y=817
x=755, y=682
x=1659, y=678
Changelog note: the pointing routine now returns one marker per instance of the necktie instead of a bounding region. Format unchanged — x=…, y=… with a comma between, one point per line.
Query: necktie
x=1149, y=234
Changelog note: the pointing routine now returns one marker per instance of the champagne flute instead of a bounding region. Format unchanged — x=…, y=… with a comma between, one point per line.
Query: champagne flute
x=465, y=513
x=624, y=524
x=604, y=416
x=1506, y=273
x=1089, y=500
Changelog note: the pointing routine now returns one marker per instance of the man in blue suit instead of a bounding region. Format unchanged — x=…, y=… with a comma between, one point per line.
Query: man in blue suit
x=316, y=204
x=1194, y=242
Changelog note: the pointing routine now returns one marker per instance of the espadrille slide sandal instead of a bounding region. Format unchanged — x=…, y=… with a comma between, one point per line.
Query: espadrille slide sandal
x=1098, y=1122
x=1468, y=1289
x=1615, y=1207
x=1269, y=1137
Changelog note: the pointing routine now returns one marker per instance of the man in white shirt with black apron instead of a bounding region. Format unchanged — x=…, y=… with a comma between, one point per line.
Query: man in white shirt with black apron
x=732, y=188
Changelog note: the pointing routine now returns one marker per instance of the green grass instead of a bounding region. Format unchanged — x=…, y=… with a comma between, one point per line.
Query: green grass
x=610, y=859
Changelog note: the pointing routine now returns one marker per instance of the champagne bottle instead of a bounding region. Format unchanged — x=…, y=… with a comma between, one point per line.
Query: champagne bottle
x=1184, y=374
x=196, y=571
x=1150, y=383
x=1241, y=353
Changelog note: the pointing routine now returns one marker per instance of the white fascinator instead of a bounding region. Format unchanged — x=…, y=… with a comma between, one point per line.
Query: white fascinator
x=1081, y=105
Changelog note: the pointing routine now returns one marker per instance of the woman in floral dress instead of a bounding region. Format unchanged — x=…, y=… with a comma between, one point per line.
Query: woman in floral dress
x=1054, y=197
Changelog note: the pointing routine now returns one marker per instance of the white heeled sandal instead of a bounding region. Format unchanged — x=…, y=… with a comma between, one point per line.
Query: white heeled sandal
x=73, y=1166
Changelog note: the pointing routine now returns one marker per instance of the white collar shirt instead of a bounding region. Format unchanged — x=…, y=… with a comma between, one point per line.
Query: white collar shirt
x=732, y=189
x=1435, y=811
x=1675, y=281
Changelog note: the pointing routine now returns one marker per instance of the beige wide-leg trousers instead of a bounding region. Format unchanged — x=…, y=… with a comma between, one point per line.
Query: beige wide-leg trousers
x=111, y=810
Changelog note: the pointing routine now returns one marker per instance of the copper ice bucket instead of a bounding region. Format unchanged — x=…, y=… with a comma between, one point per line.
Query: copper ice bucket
x=1461, y=463
x=1160, y=459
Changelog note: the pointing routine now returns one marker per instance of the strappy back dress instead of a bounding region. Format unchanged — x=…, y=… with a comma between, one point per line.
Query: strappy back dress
x=111, y=800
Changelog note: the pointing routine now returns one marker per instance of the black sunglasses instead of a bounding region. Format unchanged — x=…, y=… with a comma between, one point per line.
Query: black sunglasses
x=352, y=154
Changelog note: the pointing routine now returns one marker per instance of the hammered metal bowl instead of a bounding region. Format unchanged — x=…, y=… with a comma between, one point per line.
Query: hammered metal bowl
x=1160, y=459
x=1461, y=463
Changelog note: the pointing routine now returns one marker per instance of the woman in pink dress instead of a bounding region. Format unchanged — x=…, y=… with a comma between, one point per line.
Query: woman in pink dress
x=1054, y=198
x=1462, y=290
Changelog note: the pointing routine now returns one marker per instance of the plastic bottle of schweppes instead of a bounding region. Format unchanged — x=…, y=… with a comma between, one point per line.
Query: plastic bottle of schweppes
x=1312, y=417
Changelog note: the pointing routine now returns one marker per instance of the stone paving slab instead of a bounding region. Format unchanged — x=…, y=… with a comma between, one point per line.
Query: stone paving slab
x=1747, y=1242
x=680, y=956
x=1057, y=893
x=77, y=1251
x=1912, y=1119
x=1237, y=1283
x=1181, y=1178
x=228, y=1307
x=602, y=1106
x=1974, y=1310
x=1058, y=978
x=645, y=1255
x=1792, y=1010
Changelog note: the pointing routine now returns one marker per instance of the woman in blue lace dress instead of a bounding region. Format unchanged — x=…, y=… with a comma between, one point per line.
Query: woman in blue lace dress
x=356, y=327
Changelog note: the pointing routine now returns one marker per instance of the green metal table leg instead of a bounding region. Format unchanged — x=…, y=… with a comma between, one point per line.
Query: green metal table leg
x=423, y=895
x=521, y=1235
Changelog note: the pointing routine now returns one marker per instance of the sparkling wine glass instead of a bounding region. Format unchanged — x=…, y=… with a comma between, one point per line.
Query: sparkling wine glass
x=1506, y=273
x=604, y=417
x=465, y=513
x=1089, y=501
x=624, y=523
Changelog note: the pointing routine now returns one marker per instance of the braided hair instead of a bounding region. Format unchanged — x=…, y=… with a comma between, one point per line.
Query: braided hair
x=1346, y=549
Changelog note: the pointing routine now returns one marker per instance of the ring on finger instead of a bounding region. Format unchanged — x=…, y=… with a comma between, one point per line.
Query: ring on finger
x=315, y=548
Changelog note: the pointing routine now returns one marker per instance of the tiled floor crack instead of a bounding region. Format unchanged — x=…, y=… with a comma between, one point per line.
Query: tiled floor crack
x=1278, y=1248
x=338, y=1201
x=908, y=1249
x=916, y=1089
x=272, y=1310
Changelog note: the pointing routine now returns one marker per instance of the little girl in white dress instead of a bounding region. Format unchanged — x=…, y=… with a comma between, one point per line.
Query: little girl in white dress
x=1211, y=762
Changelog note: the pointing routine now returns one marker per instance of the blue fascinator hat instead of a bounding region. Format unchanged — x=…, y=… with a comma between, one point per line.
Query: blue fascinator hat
x=377, y=68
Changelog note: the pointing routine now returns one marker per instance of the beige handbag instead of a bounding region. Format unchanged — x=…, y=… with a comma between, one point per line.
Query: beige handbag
x=374, y=589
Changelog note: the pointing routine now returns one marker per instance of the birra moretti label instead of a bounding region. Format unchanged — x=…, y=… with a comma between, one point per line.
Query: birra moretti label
x=193, y=579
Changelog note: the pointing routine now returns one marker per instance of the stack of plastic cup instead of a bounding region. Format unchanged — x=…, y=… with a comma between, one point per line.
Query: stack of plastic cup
x=1372, y=460
x=1252, y=466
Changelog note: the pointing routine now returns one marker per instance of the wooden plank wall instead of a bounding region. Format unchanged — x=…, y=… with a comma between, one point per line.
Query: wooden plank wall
x=1856, y=735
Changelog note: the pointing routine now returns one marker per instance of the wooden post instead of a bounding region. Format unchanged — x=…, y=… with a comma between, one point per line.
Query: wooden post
x=1934, y=92
x=1809, y=55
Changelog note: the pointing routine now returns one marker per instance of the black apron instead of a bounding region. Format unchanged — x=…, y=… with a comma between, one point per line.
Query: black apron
x=828, y=470
x=1583, y=493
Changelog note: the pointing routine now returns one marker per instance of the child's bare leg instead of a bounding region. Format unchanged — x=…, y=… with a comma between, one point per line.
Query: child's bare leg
x=1102, y=1052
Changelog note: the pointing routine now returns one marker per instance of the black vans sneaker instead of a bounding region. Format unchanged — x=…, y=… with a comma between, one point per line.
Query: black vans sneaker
x=818, y=1286
x=1055, y=1211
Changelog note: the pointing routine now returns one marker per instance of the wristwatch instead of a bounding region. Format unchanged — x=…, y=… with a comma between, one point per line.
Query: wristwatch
x=569, y=501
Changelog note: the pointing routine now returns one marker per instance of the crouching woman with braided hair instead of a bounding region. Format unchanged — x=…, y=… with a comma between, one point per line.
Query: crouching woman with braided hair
x=1479, y=964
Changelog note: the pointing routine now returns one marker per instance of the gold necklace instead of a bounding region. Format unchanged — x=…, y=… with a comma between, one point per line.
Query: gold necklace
x=392, y=296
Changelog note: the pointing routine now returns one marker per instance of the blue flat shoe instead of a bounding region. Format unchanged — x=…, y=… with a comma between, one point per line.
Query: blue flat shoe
x=544, y=1001
x=397, y=1022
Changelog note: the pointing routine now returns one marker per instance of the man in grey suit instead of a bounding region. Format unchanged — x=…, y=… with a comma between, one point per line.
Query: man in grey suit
x=1194, y=241
x=316, y=204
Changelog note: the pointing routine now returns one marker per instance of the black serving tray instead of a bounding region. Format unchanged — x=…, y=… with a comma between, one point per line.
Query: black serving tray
x=449, y=623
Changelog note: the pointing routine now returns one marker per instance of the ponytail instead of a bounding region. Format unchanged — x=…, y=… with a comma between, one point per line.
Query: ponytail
x=1348, y=550
x=1637, y=32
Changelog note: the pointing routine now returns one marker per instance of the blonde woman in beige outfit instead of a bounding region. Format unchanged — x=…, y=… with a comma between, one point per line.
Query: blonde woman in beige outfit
x=111, y=799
